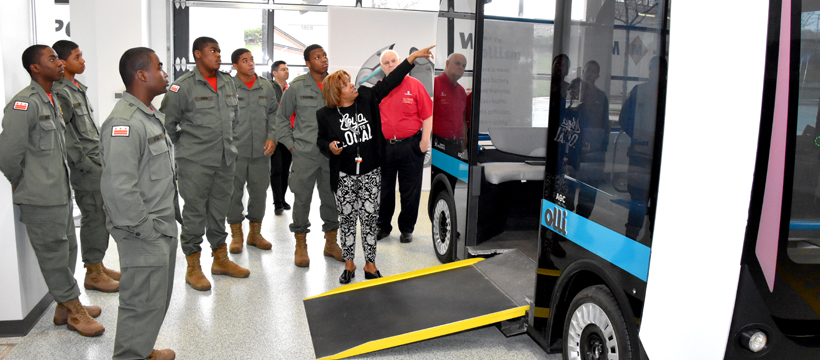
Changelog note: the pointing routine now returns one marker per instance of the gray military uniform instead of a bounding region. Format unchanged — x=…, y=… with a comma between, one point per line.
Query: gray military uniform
x=32, y=157
x=139, y=193
x=83, y=150
x=309, y=165
x=255, y=126
x=200, y=122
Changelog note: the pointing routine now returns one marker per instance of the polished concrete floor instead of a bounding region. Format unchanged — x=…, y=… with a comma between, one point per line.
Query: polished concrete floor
x=262, y=317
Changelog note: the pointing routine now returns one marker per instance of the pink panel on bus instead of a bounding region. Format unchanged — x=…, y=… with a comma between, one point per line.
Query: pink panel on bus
x=769, y=232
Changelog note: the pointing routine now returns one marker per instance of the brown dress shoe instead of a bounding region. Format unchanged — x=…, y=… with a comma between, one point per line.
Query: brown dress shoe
x=236, y=238
x=114, y=274
x=80, y=321
x=164, y=354
x=331, y=247
x=255, y=236
x=224, y=266
x=194, y=275
x=97, y=279
x=61, y=313
x=301, y=258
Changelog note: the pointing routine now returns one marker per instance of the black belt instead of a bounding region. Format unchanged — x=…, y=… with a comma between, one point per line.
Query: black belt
x=396, y=141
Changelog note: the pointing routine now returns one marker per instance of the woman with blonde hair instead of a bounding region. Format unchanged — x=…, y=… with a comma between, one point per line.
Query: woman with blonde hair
x=350, y=136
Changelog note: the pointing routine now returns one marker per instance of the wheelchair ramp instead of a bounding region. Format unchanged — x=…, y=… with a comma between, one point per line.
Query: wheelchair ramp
x=404, y=308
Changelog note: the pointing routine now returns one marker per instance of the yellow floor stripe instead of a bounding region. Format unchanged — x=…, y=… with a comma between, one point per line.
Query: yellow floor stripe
x=399, y=277
x=541, y=312
x=549, y=272
x=432, y=332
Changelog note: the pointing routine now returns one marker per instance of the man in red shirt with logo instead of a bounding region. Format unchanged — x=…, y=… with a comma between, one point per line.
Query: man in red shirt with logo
x=450, y=107
x=407, y=119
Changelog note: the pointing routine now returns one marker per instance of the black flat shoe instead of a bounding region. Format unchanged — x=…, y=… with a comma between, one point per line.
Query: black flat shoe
x=278, y=211
x=382, y=234
x=347, y=275
x=369, y=276
x=285, y=206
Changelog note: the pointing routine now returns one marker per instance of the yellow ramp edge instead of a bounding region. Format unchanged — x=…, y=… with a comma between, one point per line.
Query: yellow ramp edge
x=433, y=332
x=541, y=312
x=549, y=272
x=399, y=277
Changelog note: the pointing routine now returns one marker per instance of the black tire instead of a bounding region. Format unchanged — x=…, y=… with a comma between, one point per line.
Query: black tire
x=595, y=328
x=444, y=227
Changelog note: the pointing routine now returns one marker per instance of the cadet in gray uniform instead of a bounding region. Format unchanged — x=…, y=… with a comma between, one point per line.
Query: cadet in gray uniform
x=32, y=157
x=310, y=167
x=139, y=191
x=83, y=149
x=254, y=141
x=201, y=111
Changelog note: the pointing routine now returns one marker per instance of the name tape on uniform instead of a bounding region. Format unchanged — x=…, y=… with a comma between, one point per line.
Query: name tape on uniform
x=121, y=130
x=19, y=105
x=174, y=88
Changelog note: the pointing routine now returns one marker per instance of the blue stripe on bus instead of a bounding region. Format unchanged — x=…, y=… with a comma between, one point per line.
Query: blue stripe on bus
x=804, y=225
x=450, y=165
x=621, y=251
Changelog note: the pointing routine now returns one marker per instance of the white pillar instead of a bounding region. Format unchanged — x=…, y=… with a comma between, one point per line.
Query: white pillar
x=20, y=277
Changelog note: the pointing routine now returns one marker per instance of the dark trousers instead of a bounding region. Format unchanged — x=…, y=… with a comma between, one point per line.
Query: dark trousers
x=406, y=162
x=279, y=173
x=637, y=185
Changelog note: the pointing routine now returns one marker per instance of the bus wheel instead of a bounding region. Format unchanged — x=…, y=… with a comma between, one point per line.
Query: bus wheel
x=595, y=327
x=444, y=227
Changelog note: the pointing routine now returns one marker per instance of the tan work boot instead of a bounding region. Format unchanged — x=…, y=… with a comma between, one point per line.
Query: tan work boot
x=80, y=321
x=301, y=256
x=61, y=313
x=255, y=236
x=236, y=238
x=331, y=247
x=224, y=266
x=194, y=275
x=97, y=279
x=114, y=274
x=164, y=354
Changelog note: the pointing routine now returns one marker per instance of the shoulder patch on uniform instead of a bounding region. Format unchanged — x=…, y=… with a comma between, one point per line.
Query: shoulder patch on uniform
x=123, y=130
x=19, y=105
x=175, y=88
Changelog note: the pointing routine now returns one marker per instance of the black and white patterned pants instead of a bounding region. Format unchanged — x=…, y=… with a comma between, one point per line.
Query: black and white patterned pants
x=358, y=198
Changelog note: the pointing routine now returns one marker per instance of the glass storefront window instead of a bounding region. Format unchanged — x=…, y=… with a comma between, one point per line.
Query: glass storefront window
x=528, y=9
x=236, y=28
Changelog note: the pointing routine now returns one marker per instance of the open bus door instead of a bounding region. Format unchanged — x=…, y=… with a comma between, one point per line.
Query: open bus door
x=488, y=146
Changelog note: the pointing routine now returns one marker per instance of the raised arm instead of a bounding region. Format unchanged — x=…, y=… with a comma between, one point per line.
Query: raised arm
x=390, y=82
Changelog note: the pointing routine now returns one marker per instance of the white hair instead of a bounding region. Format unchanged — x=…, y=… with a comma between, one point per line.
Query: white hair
x=381, y=58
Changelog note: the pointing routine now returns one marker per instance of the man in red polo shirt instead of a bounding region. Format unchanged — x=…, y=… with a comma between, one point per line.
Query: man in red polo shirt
x=450, y=106
x=407, y=120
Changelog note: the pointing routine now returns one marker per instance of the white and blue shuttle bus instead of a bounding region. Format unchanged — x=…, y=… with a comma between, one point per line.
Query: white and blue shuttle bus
x=666, y=180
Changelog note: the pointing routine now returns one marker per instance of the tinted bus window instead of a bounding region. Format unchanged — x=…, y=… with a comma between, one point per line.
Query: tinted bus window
x=606, y=74
x=804, y=225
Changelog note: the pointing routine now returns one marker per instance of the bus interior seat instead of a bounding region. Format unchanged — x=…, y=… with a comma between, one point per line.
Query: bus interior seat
x=520, y=140
x=530, y=142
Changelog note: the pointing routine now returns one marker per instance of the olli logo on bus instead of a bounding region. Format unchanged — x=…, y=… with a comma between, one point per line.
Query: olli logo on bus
x=556, y=219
